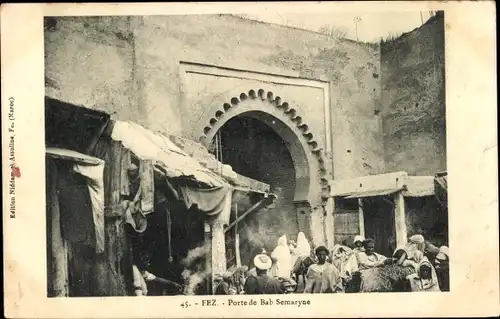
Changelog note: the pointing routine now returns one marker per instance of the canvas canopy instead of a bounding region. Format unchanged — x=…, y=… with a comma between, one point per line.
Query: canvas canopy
x=157, y=147
x=215, y=192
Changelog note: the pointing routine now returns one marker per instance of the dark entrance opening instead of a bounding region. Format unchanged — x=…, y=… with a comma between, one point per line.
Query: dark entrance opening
x=253, y=149
x=172, y=232
x=380, y=223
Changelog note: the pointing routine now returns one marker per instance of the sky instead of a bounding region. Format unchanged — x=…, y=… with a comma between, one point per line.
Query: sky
x=372, y=26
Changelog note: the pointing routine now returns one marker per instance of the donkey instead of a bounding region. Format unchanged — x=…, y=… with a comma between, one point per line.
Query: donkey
x=300, y=269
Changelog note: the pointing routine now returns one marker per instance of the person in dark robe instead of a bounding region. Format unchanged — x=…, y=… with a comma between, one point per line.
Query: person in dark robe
x=226, y=287
x=262, y=283
x=442, y=268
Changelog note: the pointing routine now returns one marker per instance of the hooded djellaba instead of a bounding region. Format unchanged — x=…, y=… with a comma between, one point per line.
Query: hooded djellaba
x=302, y=250
x=351, y=264
x=405, y=257
x=282, y=259
x=425, y=279
x=340, y=256
x=418, y=242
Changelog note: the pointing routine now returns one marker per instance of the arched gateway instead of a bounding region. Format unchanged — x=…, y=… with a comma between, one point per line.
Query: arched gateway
x=310, y=166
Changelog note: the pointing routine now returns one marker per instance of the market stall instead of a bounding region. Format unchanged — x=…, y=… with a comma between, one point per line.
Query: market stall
x=390, y=207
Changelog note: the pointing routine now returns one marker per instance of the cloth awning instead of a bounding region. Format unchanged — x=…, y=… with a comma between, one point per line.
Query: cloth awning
x=373, y=193
x=70, y=155
x=157, y=147
x=170, y=159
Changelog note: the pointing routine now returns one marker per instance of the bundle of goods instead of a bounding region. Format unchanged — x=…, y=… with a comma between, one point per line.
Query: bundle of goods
x=388, y=278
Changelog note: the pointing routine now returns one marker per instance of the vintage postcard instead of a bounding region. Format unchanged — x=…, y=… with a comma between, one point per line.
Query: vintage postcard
x=294, y=159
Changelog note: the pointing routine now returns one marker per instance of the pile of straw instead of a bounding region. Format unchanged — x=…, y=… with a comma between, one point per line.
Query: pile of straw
x=388, y=278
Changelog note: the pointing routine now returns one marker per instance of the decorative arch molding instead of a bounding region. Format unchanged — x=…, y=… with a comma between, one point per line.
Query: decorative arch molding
x=313, y=190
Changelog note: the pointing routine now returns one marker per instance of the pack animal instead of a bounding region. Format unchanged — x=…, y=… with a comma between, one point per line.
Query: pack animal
x=300, y=269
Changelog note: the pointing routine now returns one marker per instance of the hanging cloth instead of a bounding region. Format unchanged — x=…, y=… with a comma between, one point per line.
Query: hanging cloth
x=81, y=197
x=77, y=224
x=134, y=215
x=146, y=173
x=126, y=165
x=210, y=201
x=95, y=182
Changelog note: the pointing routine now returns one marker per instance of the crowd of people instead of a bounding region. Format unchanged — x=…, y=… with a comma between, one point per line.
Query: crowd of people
x=295, y=264
x=325, y=271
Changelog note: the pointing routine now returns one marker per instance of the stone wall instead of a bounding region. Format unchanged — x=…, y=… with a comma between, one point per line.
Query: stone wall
x=134, y=68
x=130, y=66
x=413, y=96
x=89, y=61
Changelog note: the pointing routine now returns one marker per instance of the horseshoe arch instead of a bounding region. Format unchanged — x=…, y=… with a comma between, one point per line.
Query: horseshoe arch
x=306, y=151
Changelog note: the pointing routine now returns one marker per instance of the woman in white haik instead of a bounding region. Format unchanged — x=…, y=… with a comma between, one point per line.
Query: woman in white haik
x=302, y=250
x=351, y=265
x=282, y=264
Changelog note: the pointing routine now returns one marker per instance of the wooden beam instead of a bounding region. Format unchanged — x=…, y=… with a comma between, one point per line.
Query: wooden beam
x=399, y=219
x=250, y=190
x=367, y=183
x=330, y=223
x=208, y=261
x=98, y=135
x=218, y=242
x=361, y=217
x=218, y=251
x=237, y=240
x=71, y=155
x=250, y=210
x=58, y=267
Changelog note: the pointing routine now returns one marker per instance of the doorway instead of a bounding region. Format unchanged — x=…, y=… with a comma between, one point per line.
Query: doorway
x=380, y=223
x=250, y=144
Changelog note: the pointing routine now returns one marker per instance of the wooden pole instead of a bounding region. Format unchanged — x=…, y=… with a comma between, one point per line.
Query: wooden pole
x=59, y=262
x=218, y=248
x=399, y=218
x=250, y=210
x=109, y=276
x=208, y=263
x=218, y=242
x=330, y=223
x=237, y=240
x=361, y=217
